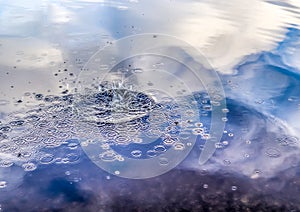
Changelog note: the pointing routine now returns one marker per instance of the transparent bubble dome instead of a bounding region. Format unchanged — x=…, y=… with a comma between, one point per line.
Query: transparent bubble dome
x=140, y=93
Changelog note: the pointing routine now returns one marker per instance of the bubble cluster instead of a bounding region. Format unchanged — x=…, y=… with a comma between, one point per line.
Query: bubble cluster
x=46, y=123
x=120, y=121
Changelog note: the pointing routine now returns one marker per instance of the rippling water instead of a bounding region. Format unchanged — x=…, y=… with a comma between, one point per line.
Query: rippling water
x=58, y=125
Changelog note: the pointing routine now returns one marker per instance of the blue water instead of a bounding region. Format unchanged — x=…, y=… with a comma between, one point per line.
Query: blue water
x=255, y=165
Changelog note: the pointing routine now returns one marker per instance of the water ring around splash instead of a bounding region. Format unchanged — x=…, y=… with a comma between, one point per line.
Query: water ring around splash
x=140, y=91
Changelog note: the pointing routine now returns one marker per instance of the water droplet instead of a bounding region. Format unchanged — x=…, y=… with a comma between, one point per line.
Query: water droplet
x=225, y=119
x=256, y=174
x=189, y=144
x=225, y=143
x=3, y=184
x=205, y=136
x=246, y=155
x=137, y=70
x=207, y=107
x=198, y=124
x=225, y=110
x=219, y=145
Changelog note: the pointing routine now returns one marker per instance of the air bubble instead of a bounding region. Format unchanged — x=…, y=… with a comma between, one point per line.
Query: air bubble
x=169, y=141
x=179, y=146
x=205, y=186
x=7, y=148
x=190, y=113
x=108, y=156
x=16, y=123
x=5, y=129
x=20, y=141
x=163, y=161
x=246, y=155
x=62, y=135
x=51, y=131
x=136, y=153
x=248, y=142
x=117, y=172
x=32, y=118
x=198, y=131
x=43, y=124
x=120, y=158
x=159, y=148
x=288, y=141
x=47, y=159
x=225, y=119
x=39, y=96
x=226, y=162
x=30, y=138
x=137, y=140
x=6, y=164
x=71, y=158
x=273, y=153
x=151, y=153
x=29, y=167
x=51, y=142
x=233, y=188
x=109, y=134
x=73, y=145
x=122, y=140
x=230, y=134
x=63, y=124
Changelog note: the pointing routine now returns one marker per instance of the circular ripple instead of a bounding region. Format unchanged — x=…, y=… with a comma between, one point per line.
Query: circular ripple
x=114, y=105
